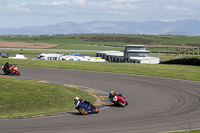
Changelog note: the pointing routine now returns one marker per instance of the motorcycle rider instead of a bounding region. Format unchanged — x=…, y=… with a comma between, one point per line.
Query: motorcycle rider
x=117, y=99
x=6, y=66
x=77, y=100
x=112, y=94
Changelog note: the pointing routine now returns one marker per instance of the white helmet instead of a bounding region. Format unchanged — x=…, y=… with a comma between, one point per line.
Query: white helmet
x=76, y=98
x=111, y=93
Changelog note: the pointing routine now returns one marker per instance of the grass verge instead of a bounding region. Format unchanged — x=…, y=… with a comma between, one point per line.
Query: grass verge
x=184, y=72
x=19, y=98
x=191, y=131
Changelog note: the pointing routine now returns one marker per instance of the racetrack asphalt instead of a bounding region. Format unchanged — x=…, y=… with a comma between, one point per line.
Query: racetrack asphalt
x=155, y=105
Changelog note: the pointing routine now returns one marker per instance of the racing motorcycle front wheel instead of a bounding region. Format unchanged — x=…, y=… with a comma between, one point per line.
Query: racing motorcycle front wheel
x=83, y=111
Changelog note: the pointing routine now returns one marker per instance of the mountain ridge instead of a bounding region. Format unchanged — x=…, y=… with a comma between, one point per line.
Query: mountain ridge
x=180, y=27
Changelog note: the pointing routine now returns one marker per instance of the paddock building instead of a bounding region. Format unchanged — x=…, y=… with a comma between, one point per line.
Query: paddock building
x=132, y=54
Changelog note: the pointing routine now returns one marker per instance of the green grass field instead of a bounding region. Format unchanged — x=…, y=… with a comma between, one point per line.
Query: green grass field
x=111, y=42
x=108, y=39
x=87, y=47
x=20, y=98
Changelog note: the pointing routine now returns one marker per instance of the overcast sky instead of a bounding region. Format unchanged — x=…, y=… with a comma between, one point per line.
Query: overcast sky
x=21, y=13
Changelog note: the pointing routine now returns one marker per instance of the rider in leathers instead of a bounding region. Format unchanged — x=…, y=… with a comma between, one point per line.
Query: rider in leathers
x=112, y=94
x=6, y=66
x=77, y=99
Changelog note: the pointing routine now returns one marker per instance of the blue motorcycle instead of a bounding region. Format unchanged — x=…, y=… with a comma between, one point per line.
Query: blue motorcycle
x=85, y=108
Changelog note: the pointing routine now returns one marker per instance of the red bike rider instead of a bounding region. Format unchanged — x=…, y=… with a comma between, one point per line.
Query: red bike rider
x=117, y=99
x=10, y=69
x=6, y=66
x=112, y=94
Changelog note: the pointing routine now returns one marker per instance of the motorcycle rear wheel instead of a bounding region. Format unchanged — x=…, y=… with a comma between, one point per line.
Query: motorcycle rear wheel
x=83, y=111
x=18, y=73
x=96, y=110
x=121, y=103
x=6, y=73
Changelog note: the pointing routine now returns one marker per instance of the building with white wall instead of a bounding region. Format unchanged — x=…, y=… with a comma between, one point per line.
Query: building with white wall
x=18, y=56
x=132, y=54
x=50, y=56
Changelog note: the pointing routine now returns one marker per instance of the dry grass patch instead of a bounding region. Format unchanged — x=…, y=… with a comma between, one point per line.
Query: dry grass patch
x=26, y=45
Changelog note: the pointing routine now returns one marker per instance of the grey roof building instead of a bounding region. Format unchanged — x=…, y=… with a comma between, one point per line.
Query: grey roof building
x=132, y=53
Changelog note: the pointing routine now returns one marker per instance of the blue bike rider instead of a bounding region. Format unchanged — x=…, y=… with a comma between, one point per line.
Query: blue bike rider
x=77, y=100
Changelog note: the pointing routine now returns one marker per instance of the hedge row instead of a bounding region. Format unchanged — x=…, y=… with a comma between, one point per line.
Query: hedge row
x=184, y=61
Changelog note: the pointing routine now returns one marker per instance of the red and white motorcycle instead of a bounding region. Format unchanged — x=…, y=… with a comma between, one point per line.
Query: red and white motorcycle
x=118, y=99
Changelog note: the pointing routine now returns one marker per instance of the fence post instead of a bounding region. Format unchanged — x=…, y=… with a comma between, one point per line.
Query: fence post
x=198, y=51
x=158, y=54
x=193, y=51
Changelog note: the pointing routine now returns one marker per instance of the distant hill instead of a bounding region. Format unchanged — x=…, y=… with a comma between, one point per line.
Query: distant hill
x=182, y=27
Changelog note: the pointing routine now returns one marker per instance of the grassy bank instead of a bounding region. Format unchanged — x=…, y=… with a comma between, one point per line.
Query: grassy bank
x=191, y=131
x=25, y=98
x=161, y=70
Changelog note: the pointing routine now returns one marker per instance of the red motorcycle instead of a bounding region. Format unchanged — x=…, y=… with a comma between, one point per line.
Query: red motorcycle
x=119, y=100
x=12, y=69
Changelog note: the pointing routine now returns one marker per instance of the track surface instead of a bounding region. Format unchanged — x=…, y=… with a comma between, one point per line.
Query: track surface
x=155, y=105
